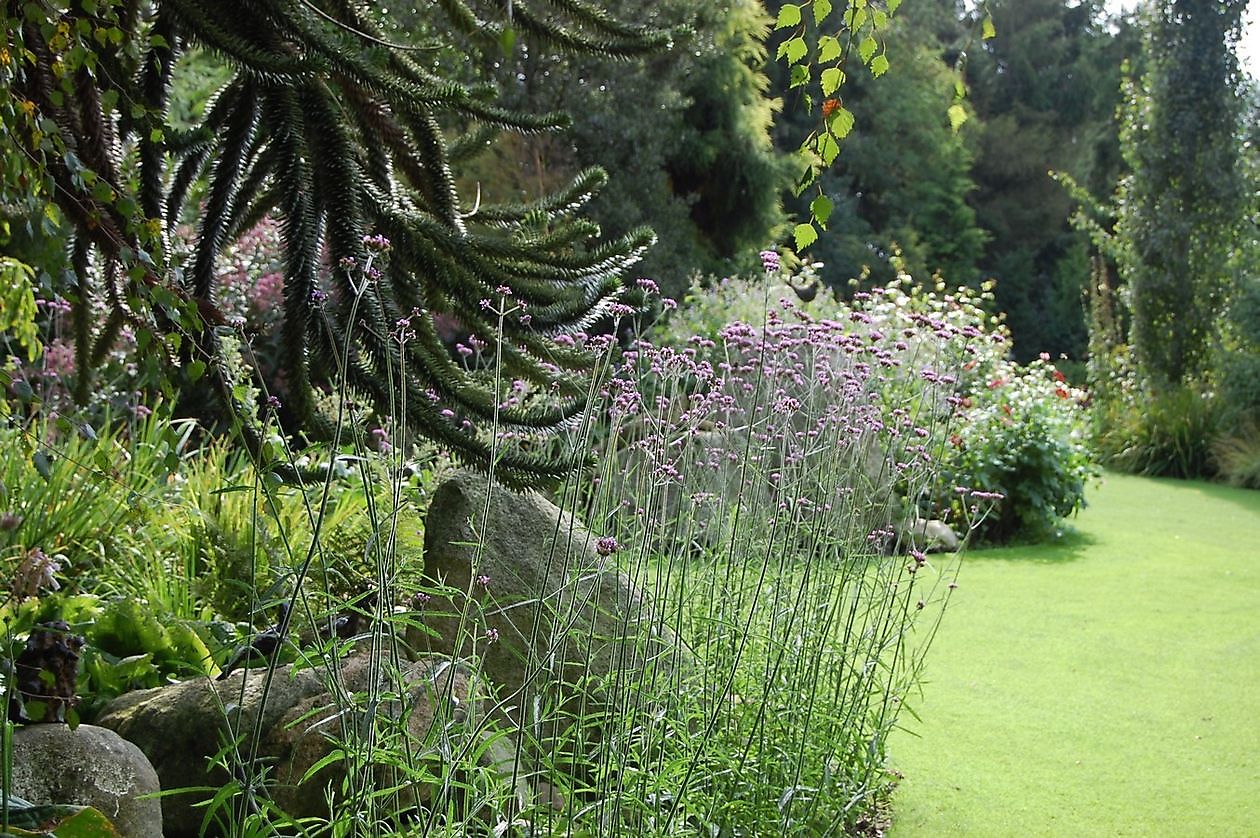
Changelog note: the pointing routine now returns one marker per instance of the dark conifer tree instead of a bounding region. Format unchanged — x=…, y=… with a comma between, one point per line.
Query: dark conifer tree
x=344, y=136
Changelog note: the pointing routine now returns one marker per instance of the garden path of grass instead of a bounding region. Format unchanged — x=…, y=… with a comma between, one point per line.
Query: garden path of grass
x=1106, y=685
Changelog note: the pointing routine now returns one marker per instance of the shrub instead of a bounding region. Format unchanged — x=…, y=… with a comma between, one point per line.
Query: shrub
x=1237, y=457
x=1166, y=432
x=1018, y=431
x=1022, y=435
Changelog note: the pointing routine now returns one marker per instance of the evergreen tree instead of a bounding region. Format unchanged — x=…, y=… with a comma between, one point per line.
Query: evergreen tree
x=684, y=134
x=344, y=136
x=1179, y=211
x=1045, y=93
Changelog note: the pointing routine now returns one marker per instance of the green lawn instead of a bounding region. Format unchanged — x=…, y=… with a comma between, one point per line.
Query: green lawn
x=1106, y=685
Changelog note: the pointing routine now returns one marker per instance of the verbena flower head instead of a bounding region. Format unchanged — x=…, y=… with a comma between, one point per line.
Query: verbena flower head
x=378, y=243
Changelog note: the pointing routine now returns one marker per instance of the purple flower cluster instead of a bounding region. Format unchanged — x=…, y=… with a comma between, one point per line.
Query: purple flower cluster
x=377, y=243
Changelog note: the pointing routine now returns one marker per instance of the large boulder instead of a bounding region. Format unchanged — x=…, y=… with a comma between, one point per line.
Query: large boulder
x=88, y=766
x=182, y=726
x=540, y=602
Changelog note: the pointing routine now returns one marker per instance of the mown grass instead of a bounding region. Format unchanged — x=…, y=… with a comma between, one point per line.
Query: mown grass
x=1108, y=684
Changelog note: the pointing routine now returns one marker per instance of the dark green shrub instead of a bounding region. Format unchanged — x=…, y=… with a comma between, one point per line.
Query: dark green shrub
x=1165, y=433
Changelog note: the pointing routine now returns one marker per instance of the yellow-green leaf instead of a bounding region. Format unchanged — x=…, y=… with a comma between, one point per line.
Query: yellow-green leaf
x=822, y=8
x=789, y=15
x=794, y=50
x=805, y=235
x=17, y=305
x=957, y=116
x=828, y=49
x=840, y=122
x=867, y=49
x=879, y=65
x=828, y=149
x=987, y=28
x=831, y=80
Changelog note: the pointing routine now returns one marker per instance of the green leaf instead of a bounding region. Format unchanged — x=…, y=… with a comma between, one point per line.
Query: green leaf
x=822, y=8
x=957, y=116
x=832, y=78
x=336, y=755
x=828, y=49
x=893, y=6
x=879, y=65
x=793, y=49
x=805, y=235
x=821, y=208
x=196, y=369
x=828, y=149
x=800, y=75
x=789, y=15
x=987, y=29
x=840, y=123
x=867, y=49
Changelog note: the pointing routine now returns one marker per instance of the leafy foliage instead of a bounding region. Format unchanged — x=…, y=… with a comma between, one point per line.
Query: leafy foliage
x=1168, y=432
x=900, y=189
x=1045, y=94
x=683, y=134
x=1023, y=436
x=1180, y=209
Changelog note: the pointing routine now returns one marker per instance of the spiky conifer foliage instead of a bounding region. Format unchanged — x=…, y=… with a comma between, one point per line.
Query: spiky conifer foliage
x=342, y=135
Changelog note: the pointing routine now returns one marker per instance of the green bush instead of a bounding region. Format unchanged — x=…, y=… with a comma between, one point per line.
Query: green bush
x=1236, y=456
x=1164, y=433
x=1022, y=435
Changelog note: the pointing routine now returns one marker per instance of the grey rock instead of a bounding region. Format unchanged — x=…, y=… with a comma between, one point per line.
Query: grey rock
x=88, y=766
x=180, y=727
x=928, y=535
x=559, y=628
